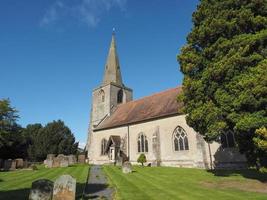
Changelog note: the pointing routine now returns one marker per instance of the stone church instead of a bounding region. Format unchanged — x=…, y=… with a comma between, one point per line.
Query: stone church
x=122, y=128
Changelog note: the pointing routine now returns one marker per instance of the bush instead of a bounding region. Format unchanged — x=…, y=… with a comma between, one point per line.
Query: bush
x=142, y=159
x=263, y=170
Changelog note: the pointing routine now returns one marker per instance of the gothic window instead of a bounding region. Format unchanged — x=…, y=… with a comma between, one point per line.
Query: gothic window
x=227, y=139
x=103, y=146
x=101, y=96
x=180, y=139
x=142, y=143
x=120, y=96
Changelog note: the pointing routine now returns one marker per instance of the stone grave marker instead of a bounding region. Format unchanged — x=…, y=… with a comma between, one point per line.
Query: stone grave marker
x=41, y=190
x=1, y=163
x=19, y=163
x=64, y=161
x=127, y=168
x=50, y=156
x=64, y=188
x=81, y=158
x=72, y=159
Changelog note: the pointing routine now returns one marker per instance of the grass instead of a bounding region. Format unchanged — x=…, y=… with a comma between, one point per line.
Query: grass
x=16, y=185
x=179, y=183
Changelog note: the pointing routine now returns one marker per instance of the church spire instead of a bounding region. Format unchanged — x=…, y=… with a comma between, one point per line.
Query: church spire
x=112, y=68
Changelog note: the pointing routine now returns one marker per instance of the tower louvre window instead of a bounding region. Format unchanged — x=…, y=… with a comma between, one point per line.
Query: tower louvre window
x=120, y=96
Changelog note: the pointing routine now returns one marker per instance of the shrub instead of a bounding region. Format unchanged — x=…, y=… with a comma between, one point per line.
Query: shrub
x=142, y=159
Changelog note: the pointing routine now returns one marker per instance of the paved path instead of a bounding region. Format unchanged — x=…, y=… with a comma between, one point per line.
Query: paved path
x=97, y=186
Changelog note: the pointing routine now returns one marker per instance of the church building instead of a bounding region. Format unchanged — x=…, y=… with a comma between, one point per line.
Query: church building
x=122, y=128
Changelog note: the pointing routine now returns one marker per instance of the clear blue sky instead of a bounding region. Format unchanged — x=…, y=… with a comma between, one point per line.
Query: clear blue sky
x=52, y=52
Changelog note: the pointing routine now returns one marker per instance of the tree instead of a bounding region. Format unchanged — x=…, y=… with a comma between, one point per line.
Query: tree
x=224, y=66
x=12, y=141
x=142, y=159
x=260, y=141
x=54, y=138
x=31, y=133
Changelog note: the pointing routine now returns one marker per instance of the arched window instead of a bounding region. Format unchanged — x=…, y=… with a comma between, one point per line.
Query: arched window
x=103, y=146
x=142, y=143
x=101, y=96
x=180, y=140
x=120, y=96
x=227, y=139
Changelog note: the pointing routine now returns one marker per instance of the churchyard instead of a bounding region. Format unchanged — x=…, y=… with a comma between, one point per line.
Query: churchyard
x=16, y=185
x=182, y=183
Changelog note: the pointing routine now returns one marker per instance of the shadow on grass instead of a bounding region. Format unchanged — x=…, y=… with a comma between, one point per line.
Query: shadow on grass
x=15, y=194
x=92, y=189
x=246, y=173
x=20, y=194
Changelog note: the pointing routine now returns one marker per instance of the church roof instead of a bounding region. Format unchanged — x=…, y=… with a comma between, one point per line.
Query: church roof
x=159, y=105
x=112, y=68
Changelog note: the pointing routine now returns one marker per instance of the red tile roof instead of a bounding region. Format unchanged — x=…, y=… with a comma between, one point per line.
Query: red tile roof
x=158, y=105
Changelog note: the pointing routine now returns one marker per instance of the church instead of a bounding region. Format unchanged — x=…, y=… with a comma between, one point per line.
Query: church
x=122, y=128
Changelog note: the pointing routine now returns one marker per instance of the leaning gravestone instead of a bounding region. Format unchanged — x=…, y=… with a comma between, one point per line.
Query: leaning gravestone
x=41, y=190
x=64, y=188
x=127, y=168
x=19, y=163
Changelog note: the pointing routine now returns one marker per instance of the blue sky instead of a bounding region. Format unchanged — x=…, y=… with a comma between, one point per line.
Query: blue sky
x=52, y=52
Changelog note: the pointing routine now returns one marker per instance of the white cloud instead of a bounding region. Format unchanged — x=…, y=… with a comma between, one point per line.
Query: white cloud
x=89, y=12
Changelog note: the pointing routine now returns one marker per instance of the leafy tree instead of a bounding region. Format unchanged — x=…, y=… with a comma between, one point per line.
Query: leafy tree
x=260, y=140
x=54, y=138
x=142, y=159
x=225, y=75
x=12, y=141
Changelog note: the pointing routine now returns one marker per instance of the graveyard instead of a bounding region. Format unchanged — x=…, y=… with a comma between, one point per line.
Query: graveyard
x=143, y=182
x=16, y=184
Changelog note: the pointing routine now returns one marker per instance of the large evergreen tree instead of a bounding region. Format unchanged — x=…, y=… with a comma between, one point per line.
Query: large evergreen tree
x=12, y=141
x=225, y=71
x=54, y=138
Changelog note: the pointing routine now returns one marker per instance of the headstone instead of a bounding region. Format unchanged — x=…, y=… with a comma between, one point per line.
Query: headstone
x=1, y=163
x=19, y=163
x=41, y=190
x=25, y=164
x=9, y=165
x=64, y=161
x=49, y=163
x=127, y=168
x=72, y=159
x=50, y=156
x=64, y=188
x=55, y=162
x=81, y=158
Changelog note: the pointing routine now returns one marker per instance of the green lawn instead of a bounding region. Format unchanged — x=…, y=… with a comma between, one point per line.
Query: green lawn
x=166, y=183
x=16, y=185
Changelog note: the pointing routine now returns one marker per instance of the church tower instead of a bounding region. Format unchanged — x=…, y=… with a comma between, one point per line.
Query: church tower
x=110, y=93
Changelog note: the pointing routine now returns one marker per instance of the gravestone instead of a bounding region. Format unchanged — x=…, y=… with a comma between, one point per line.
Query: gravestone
x=64, y=161
x=41, y=190
x=64, y=188
x=19, y=163
x=49, y=163
x=56, y=162
x=72, y=159
x=127, y=168
x=81, y=158
x=25, y=164
x=1, y=163
x=9, y=165
x=50, y=156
